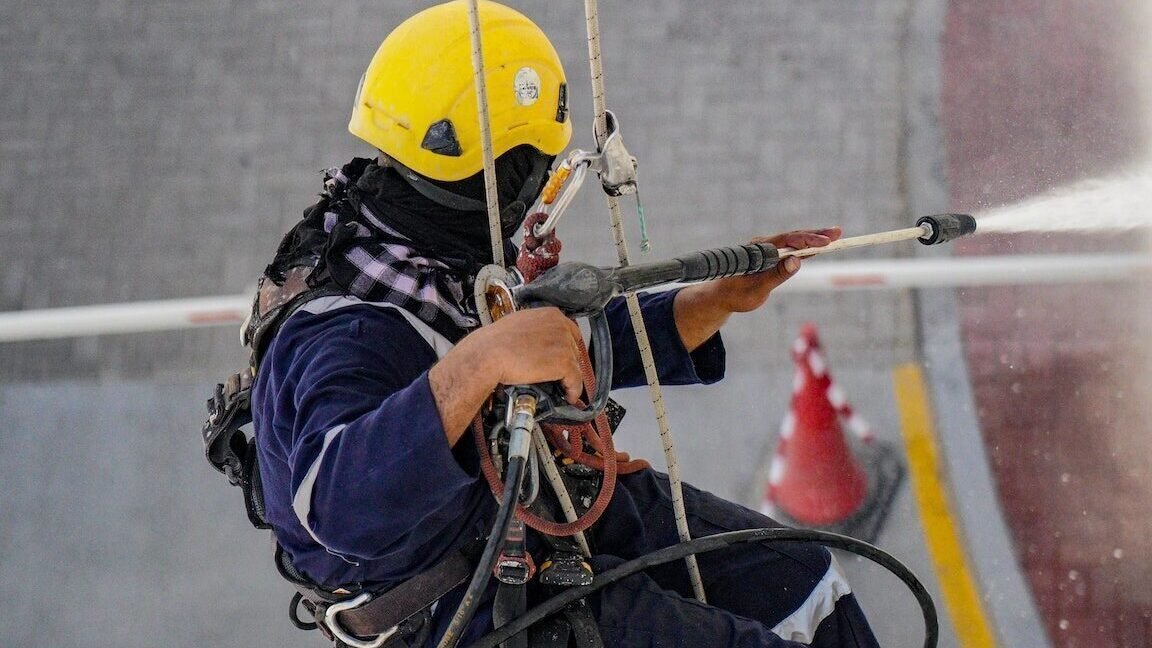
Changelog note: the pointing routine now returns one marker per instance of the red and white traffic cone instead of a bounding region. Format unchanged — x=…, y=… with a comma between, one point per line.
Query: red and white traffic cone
x=815, y=478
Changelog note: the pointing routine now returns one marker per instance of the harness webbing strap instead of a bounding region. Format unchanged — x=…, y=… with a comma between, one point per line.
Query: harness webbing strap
x=393, y=607
x=583, y=624
x=511, y=603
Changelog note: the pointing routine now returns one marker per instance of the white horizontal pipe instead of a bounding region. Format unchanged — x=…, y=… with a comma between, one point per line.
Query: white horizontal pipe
x=928, y=272
x=131, y=317
x=816, y=276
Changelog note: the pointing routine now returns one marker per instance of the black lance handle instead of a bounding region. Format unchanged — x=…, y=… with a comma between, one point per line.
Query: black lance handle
x=580, y=289
x=702, y=265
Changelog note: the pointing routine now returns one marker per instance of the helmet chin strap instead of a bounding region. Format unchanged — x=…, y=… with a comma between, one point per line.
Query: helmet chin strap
x=511, y=216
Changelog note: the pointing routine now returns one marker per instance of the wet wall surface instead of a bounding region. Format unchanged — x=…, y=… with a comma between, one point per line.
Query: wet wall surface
x=1038, y=95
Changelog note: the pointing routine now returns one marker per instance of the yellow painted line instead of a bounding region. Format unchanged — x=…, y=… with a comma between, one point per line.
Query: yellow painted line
x=941, y=531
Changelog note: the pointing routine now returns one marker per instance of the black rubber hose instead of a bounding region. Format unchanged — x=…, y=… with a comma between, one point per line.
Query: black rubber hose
x=601, y=346
x=512, y=481
x=719, y=541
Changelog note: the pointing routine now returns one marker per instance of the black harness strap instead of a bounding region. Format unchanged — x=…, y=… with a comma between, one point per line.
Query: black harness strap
x=552, y=632
x=406, y=606
x=583, y=624
x=510, y=604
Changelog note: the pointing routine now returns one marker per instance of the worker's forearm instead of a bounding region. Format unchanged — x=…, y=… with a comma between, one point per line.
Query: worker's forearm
x=460, y=384
x=699, y=311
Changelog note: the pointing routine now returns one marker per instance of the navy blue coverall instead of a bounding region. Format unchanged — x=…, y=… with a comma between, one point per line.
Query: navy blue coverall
x=361, y=487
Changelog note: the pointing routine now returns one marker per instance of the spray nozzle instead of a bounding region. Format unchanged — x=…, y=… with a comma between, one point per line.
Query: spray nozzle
x=941, y=228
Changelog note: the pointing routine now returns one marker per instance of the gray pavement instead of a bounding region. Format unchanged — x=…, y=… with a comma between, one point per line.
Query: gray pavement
x=158, y=149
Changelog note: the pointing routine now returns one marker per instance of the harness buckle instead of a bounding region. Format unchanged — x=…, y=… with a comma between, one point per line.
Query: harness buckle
x=343, y=635
x=566, y=569
x=515, y=565
x=515, y=570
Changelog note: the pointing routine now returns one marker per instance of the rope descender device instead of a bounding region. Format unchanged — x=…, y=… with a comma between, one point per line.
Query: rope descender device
x=612, y=162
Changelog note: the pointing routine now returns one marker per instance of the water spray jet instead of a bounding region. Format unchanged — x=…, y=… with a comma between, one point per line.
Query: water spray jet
x=1119, y=202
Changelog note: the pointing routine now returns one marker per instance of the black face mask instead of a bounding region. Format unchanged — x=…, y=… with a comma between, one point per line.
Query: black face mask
x=449, y=220
x=520, y=177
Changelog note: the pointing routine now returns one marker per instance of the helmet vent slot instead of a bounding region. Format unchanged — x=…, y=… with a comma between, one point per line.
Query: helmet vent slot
x=441, y=139
x=562, y=104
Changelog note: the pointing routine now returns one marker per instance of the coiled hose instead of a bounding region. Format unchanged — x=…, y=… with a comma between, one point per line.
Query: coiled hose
x=719, y=541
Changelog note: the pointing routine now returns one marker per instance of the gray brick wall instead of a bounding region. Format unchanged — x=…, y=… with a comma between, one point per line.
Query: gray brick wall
x=158, y=149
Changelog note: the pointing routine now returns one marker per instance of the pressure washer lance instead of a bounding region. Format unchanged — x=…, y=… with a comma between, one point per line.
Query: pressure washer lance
x=581, y=290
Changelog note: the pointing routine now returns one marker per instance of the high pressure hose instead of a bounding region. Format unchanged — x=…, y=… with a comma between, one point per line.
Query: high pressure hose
x=467, y=609
x=719, y=541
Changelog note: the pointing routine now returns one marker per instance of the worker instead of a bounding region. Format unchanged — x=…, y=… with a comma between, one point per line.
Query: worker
x=371, y=365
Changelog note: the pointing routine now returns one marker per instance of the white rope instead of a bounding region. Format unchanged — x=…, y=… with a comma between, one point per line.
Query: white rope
x=557, y=483
x=494, y=232
x=818, y=277
x=596, y=65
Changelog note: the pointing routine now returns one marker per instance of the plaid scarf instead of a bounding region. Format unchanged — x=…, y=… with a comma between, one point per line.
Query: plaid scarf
x=374, y=262
x=348, y=246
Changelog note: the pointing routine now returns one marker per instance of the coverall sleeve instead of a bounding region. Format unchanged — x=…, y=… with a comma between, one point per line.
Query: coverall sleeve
x=674, y=364
x=373, y=475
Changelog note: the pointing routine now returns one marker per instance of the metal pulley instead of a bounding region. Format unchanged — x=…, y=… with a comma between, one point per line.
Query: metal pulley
x=492, y=292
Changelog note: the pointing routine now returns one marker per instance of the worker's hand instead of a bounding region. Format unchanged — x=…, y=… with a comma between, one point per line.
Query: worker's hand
x=701, y=309
x=749, y=292
x=538, y=345
x=532, y=346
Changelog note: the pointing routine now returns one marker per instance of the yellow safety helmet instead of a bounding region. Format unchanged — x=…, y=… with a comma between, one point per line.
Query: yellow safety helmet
x=417, y=99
